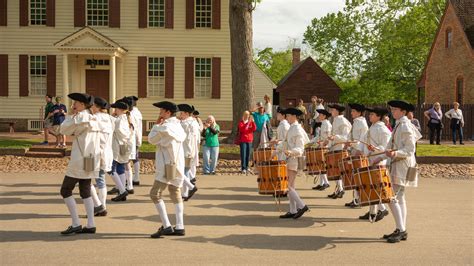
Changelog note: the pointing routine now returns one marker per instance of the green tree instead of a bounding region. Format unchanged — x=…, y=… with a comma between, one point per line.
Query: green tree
x=275, y=64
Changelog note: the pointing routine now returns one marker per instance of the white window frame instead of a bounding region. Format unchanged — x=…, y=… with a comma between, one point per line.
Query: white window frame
x=105, y=22
x=203, y=80
x=38, y=81
x=198, y=8
x=158, y=16
x=37, y=10
x=156, y=83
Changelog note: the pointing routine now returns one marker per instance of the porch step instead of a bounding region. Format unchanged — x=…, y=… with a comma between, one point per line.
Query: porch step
x=46, y=148
x=39, y=154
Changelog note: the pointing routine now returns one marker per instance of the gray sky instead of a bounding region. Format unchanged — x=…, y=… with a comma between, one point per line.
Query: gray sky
x=276, y=22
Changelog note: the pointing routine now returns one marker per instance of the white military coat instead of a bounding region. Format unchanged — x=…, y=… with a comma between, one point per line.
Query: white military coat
x=106, y=125
x=123, y=135
x=295, y=141
x=85, y=128
x=341, y=129
x=404, y=138
x=378, y=136
x=168, y=138
x=191, y=143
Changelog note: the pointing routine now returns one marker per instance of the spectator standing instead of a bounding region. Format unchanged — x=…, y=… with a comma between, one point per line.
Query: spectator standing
x=268, y=106
x=246, y=128
x=301, y=107
x=414, y=121
x=211, y=145
x=48, y=121
x=58, y=112
x=261, y=119
x=434, y=116
x=457, y=122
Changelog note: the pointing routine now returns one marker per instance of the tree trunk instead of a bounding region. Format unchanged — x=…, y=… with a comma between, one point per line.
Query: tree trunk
x=241, y=44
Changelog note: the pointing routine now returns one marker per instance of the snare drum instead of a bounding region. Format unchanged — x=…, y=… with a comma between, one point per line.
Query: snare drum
x=332, y=163
x=373, y=184
x=347, y=165
x=272, y=178
x=261, y=155
x=315, y=160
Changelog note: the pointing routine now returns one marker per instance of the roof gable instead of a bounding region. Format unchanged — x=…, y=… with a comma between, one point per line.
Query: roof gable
x=465, y=11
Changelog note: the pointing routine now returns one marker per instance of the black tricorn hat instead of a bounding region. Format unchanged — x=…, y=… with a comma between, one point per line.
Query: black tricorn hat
x=82, y=97
x=324, y=112
x=380, y=111
x=292, y=111
x=357, y=106
x=280, y=110
x=167, y=106
x=402, y=105
x=99, y=101
x=120, y=105
x=196, y=112
x=186, y=108
x=337, y=106
x=129, y=101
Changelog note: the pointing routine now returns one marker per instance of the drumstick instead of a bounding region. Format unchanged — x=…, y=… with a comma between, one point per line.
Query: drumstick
x=378, y=153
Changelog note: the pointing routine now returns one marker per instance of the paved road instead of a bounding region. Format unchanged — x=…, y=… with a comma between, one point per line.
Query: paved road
x=229, y=223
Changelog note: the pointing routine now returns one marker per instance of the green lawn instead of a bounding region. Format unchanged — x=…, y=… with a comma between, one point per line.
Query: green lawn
x=16, y=143
x=445, y=150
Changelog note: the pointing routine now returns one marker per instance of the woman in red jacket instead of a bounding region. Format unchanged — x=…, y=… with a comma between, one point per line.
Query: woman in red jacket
x=246, y=128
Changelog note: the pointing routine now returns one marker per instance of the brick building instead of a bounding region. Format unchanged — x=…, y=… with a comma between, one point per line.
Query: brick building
x=449, y=71
x=304, y=80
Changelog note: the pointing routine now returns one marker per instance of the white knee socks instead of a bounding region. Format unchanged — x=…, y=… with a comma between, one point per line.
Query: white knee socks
x=403, y=208
x=292, y=204
x=325, y=178
x=179, y=209
x=340, y=187
x=103, y=196
x=294, y=195
x=89, y=205
x=129, y=176
x=397, y=215
x=382, y=207
x=94, y=196
x=71, y=206
x=118, y=182
x=136, y=171
x=373, y=209
x=187, y=185
x=161, y=207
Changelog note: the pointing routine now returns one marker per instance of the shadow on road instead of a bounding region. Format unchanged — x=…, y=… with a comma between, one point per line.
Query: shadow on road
x=26, y=236
x=296, y=243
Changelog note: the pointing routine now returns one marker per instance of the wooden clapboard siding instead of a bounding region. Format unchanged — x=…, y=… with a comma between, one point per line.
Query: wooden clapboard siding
x=177, y=43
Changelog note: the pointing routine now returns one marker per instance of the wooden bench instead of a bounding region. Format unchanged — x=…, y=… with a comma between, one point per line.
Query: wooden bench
x=11, y=125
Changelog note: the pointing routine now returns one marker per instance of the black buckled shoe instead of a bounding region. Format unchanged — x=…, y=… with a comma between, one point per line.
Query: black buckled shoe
x=395, y=238
x=380, y=215
x=99, y=209
x=131, y=191
x=389, y=235
x=341, y=194
x=136, y=183
x=179, y=232
x=349, y=204
x=332, y=195
x=323, y=187
x=121, y=197
x=163, y=232
x=191, y=193
x=72, y=230
x=300, y=212
x=365, y=216
x=385, y=212
x=113, y=191
x=318, y=187
x=354, y=204
x=287, y=215
x=193, y=181
x=87, y=230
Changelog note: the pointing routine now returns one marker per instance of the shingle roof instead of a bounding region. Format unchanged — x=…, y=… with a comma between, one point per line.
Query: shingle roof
x=465, y=12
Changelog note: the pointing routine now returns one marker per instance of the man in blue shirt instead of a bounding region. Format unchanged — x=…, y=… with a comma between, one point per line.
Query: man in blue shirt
x=58, y=111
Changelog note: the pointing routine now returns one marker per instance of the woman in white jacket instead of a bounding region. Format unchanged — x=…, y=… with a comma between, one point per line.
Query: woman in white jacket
x=293, y=147
x=122, y=146
x=324, y=133
x=190, y=145
x=401, y=152
x=106, y=125
x=85, y=148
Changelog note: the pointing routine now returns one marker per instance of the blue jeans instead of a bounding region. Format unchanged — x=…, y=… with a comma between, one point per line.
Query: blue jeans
x=245, y=148
x=457, y=128
x=100, y=182
x=209, y=159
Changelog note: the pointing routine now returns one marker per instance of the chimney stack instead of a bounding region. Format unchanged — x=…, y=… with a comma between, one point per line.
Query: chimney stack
x=296, y=56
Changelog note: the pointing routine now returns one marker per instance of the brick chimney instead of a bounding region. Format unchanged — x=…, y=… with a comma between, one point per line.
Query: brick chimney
x=296, y=56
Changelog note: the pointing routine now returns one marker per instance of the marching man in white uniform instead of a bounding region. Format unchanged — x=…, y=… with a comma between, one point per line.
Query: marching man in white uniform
x=324, y=133
x=84, y=163
x=168, y=136
x=377, y=136
x=106, y=125
x=293, y=147
x=403, y=167
x=190, y=144
x=359, y=128
x=341, y=129
x=137, y=116
x=282, y=132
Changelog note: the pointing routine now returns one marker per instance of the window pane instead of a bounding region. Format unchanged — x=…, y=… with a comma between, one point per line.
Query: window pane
x=203, y=13
x=38, y=75
x=156, y=76
x=97, y=12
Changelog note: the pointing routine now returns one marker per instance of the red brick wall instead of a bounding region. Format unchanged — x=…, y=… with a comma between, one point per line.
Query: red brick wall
x=446, y=65
x=307, y=81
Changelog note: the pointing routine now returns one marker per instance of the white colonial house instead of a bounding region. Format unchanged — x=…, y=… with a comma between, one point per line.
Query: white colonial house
x=177, y=50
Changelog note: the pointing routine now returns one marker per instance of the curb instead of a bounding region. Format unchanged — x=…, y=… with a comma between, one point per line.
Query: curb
x=13, y=151
x=444, y=160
